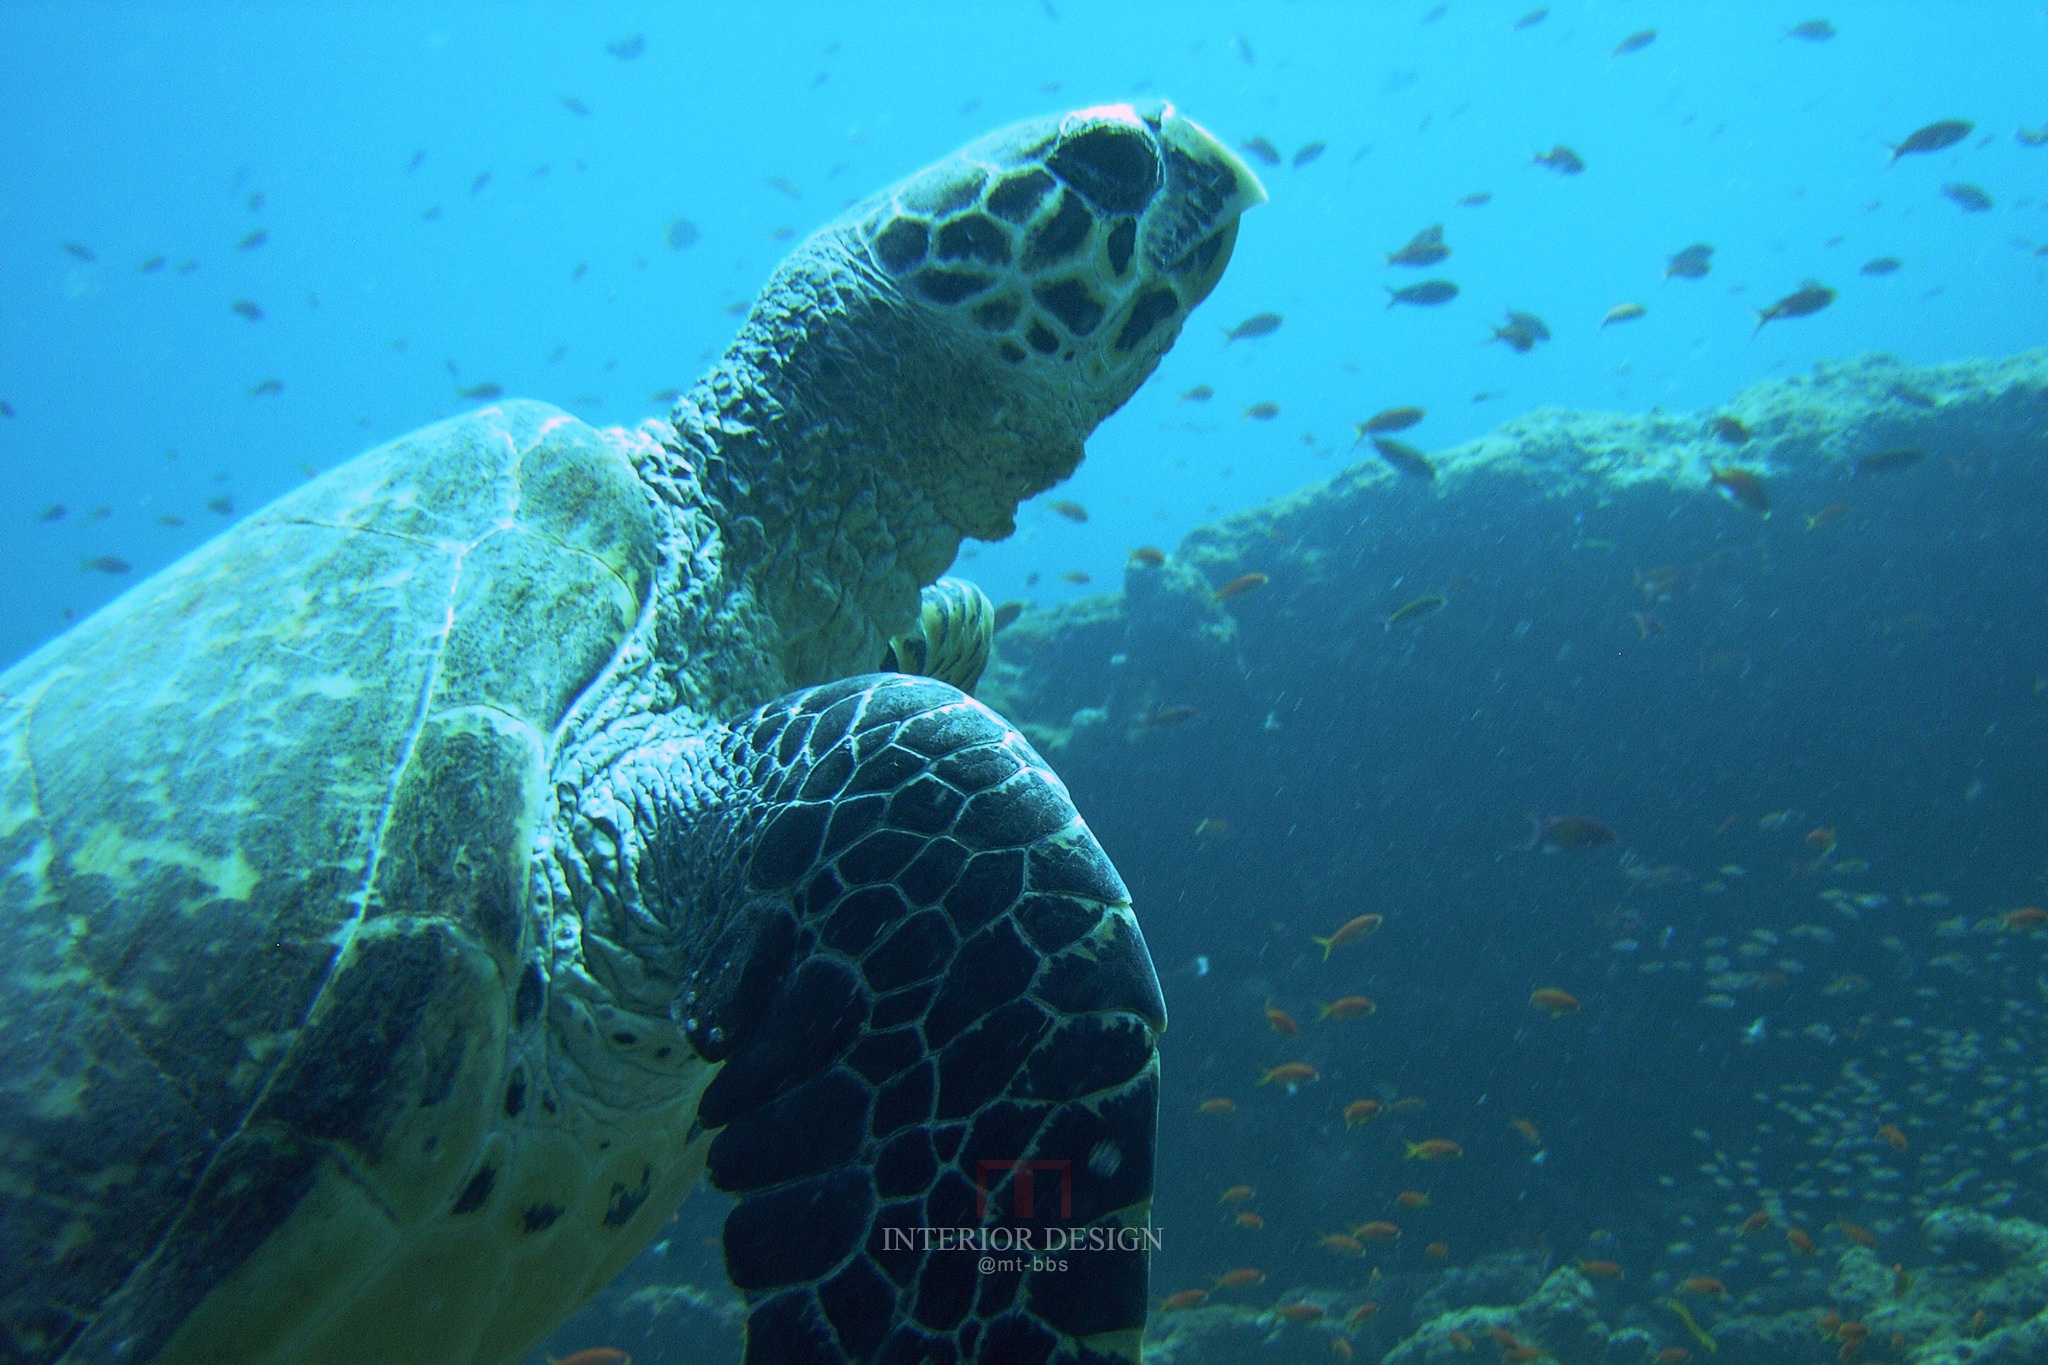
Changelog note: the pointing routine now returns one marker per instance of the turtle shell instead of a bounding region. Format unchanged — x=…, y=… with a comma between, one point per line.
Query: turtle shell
x=300, y=975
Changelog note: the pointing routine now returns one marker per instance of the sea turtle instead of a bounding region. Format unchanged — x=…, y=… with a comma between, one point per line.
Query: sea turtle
x=410, y=892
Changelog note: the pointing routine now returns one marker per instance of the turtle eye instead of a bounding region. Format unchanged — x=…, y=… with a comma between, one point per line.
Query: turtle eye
x=1113, y=164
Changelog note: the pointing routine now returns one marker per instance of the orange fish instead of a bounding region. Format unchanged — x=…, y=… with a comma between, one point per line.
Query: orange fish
x=2028, y=918
x=1672, y=1355
x=1186, y=1298
x=1405, y=1103
x=1554, y=1002
x=1600, y=1270
x=1236, y=1194
x=1503, y=1338
x=1076, y=576
x=1239, y=586
x=1341, y=1243
x=1460, y=1340
x=1349, y=932
x=1291, y=1073
x=1821, y=840
x=1211, y=826
x=1299, y=1312
x=1349, y=1007
x=1377, y=1231
x=1528, y=1130
x=1072, y=511
x=1222, y=1104
x=1437, y=1251
x=1411, y=1199
x=1703, y=1286
x=1521, y=1355
x=1167, y=716
x=1342, y=1349
x=1857, y=1233
x=595, y=1355
x=1892, y=1134
x=1250, y=1220
x=1902, y=1279
x=1741, y=486
x=1241, y=1278
x=1360, y=1111
x=1756, y=1222
x=1434, y=1149
x=1364, y=1313
x=1827, y=516
x=1801, y=1244
x=1148, y=557
x=1852, y=1330
x=1280, y=1021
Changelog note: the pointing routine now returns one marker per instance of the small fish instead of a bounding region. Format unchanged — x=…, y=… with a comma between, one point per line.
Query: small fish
x=1827, y=515
x=1364, y=1313
x=1433, y=1149
x=1300, y=1312
x=1379, y=1230
x=1237, y=1194
x=1148, y=557
x=1476, y=200
x=1807, y=299
x=221, y=506
x=255, y=200
x=1731, y=430
x=1600, y=1270
x=1635, y=42
x=418, y=157
x=1350, y=932
x=1425, y=295
x=1241, y=1278
x=1186, y=1298
x=595, y=1355
x=1263, y=412
x=1690, y=264
x=1389, y=420
x=1894, y=1137
x=1342, y=1243
x=626, y=49
x=6, y=408
x=1239, y=586
x=1290, y=1073
x=1531, y=19
x=1404, y=457
x=1361, y=1111
x=1437, y=1251
x=1813, y=31
x=1741, y=487
x=1549, y=833
x=1076, y=577
x=1648, y=625
x=2027, y=919
x=267, y=388
x=1703, y=1286
x=1424, y=248
x=1200, y=393
x=106, y=564
x=1857, y=1233
x=483, y=391
x=2032, y=137
x=1554, y=1002
x=575, y=106
x=1257, y=325
x=1403, y=1105
x=56, y=511
x=1935, y=136
x=81, y=251
x=476, y=186
x=1561, y=159
x=1972, y=198
x=1280, y=1021
x=1166, y=717
x=1211, y=826
x=1799, y=1243
x=1072, y=511
x=247, y=308
x=1890, y=461
x=680, y=235
x=1221, y=1104
x=1756, y=1222
x=1347, y=1007
x=1527, y=1130
x=1309, y=151
x=253, y=240
x=151, y=266
x=1623, y=312
x=1007, y=614
x=1262, y=150
x=1250, y=1220
x=1411, y=1199
x=1414, y=610
x=1881, y=265
x=171, y=520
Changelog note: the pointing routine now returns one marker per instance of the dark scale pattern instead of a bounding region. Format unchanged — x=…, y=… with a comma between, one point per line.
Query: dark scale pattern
x=949, y=995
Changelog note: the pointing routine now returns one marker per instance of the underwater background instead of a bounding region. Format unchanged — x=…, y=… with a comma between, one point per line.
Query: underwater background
x=1708, y=845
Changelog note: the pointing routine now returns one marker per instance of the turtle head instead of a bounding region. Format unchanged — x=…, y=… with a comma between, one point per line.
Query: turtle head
x=939, y=353
x=1056, y=261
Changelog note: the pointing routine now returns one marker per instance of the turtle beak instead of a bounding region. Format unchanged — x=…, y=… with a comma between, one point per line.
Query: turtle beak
x=1208, y=187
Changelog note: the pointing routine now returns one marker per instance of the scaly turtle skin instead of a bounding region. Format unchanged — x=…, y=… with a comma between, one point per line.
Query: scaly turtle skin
x=407, y=895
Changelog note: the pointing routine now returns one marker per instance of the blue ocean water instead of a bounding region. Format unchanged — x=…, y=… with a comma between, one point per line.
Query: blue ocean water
x=569, y=205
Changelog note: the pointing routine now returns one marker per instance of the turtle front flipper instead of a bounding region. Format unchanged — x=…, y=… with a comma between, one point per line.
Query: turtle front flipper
x=938, y=1023
x=951, y=637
